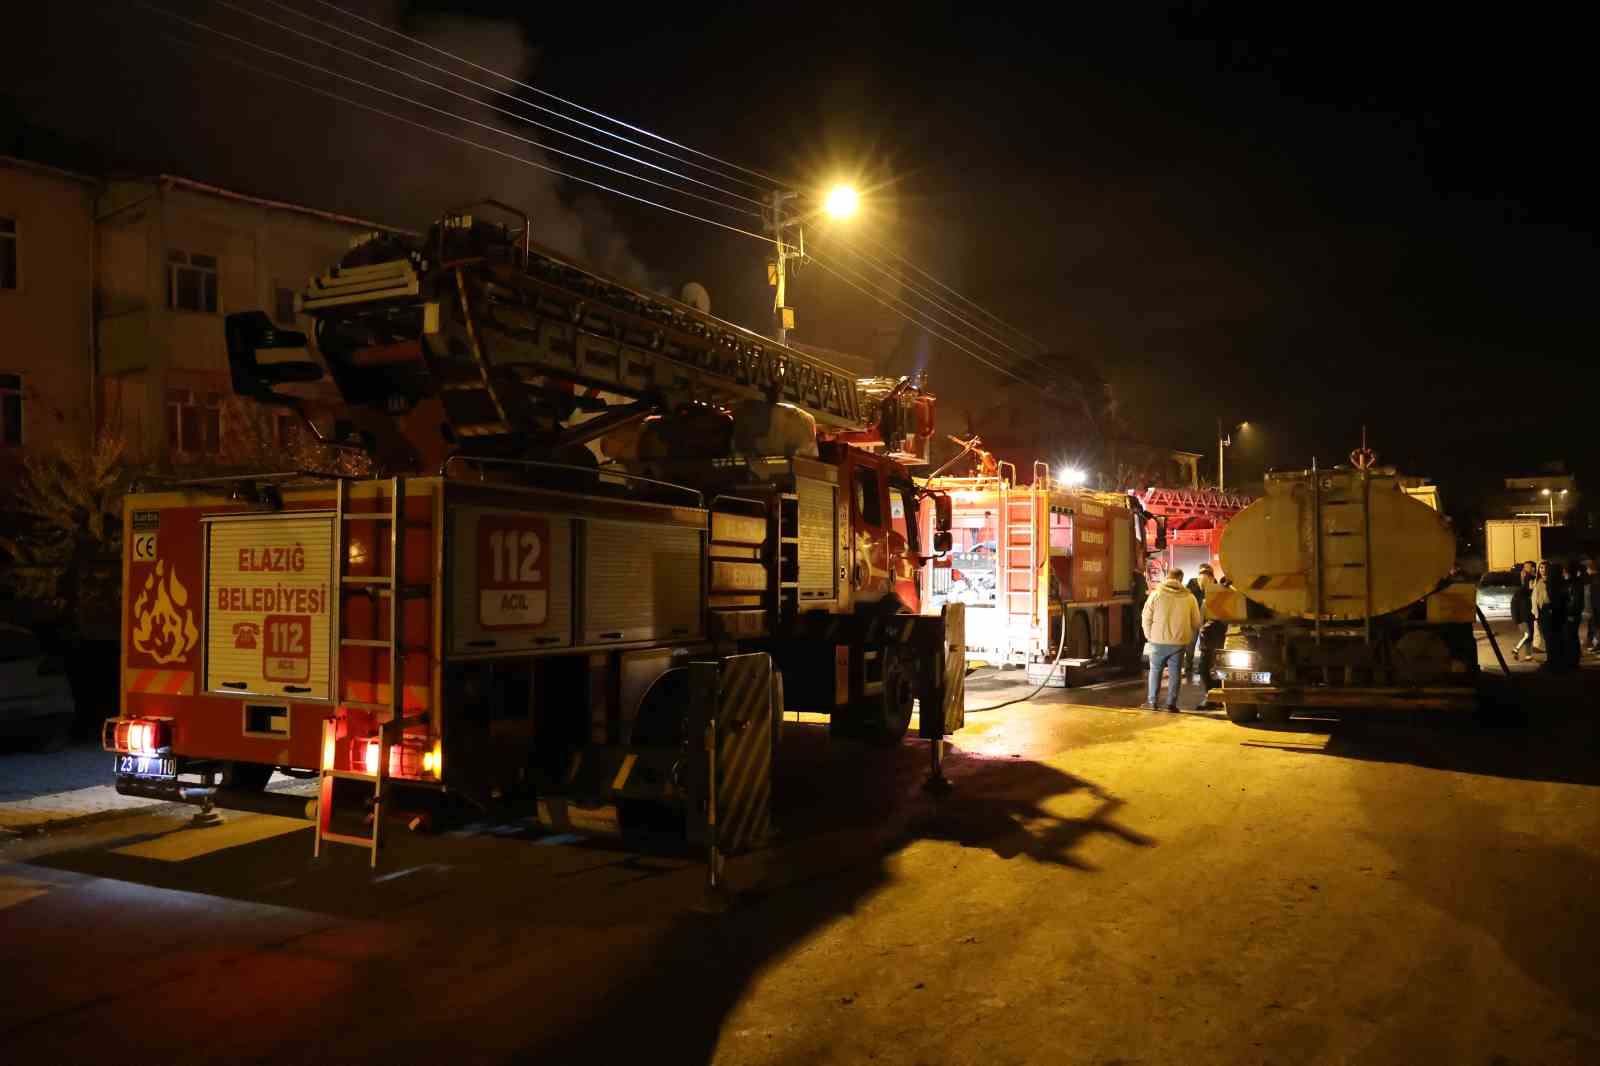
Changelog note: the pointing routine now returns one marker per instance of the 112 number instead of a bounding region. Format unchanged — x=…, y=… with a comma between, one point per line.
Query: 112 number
x=286, y=638
x=515, y=555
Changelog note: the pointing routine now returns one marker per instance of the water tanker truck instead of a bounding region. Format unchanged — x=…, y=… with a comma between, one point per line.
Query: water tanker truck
x=1342, y=599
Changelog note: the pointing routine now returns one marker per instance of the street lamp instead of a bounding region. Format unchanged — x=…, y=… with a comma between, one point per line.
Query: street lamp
x=1225, y=440
x=841, y=202
x=1552, y=497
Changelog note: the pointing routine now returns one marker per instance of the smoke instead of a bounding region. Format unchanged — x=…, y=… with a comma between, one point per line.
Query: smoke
x=566, y=217
x=144, y=94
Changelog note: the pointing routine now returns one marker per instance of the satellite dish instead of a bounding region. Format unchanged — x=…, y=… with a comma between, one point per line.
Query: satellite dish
x=696, y=296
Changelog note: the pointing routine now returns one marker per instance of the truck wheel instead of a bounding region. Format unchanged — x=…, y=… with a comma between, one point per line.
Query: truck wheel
x=1240, y=713
x=888, y=721
x=1275, y=714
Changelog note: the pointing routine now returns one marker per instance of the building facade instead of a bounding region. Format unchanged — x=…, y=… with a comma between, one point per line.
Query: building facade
x=173, y=257
x=46, y=308
x=112, y=297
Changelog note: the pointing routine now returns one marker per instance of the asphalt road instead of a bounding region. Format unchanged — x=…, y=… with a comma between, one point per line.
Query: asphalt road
x=1101, y=885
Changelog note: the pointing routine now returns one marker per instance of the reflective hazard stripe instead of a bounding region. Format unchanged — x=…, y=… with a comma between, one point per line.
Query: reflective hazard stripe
x=163, y=682
x=1279, y=581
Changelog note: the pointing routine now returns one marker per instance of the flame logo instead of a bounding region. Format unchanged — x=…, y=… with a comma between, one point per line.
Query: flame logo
x=166, y=631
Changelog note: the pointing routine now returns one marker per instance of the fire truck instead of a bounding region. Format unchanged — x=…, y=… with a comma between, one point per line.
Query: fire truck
x=497, y=611
x=1048, y=572
x=1193, y=521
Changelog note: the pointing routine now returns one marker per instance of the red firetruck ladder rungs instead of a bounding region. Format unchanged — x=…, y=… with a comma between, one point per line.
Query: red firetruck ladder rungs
x=389, y=730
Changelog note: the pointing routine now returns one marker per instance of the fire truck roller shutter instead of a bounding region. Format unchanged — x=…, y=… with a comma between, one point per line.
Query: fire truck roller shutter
x=819, y=570
x=513, y=570
x=642, y=582
x=269, y=599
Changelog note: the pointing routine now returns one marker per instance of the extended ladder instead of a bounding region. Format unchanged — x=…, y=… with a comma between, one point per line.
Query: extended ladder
x=374, y=771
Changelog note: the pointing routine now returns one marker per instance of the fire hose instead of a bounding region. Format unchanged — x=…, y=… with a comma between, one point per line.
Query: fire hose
x=1061, y=646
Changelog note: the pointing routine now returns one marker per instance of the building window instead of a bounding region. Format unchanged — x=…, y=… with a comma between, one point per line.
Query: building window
x=191, y=281
x=284, y=306
x=8, y=253
x=194, y=421
x=10, y=409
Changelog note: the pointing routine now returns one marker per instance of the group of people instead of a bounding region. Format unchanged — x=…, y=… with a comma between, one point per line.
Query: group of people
x=1557, y=613
x=1178, y=635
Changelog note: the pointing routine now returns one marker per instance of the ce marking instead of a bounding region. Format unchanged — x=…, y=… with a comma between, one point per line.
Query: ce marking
x=144, y=547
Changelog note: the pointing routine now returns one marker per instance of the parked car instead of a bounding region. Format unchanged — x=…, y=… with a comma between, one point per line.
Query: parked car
x=1494, y=593
x=36, y=704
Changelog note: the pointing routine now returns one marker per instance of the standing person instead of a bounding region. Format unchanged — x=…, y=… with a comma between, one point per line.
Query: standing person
x=1197, y=587
x=1571, y=645
x=1522, y=613
x=1205, y=583
x=1591, y=605
x=1171, y=618
x=1541, y=604
x=1552, y=608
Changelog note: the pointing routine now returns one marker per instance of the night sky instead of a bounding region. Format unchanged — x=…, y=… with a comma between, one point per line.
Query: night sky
x=1313, y=218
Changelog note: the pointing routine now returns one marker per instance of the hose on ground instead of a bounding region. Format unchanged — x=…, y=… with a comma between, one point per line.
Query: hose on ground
x=1061, y=646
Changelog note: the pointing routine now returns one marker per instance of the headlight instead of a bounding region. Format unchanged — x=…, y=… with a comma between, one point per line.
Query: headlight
x=1239, y=659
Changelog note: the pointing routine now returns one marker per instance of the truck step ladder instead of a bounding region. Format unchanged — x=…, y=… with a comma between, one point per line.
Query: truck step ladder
x=389, y=730
x=1019, y=562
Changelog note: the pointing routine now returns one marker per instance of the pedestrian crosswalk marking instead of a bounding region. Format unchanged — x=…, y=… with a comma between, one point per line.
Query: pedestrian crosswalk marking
x=238, y=830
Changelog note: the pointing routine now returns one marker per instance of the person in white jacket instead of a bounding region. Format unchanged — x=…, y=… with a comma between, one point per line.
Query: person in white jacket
x=1171, y=620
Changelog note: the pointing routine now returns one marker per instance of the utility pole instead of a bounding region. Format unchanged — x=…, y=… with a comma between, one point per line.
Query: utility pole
x=778, y=269
x=1222, y=443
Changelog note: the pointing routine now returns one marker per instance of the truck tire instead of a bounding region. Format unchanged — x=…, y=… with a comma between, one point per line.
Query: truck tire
x=1275, y=714
x=1240, y=713
x=888, y=718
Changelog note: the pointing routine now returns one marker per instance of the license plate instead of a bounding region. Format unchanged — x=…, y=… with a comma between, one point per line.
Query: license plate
x=147, y=765
x=1248, y=677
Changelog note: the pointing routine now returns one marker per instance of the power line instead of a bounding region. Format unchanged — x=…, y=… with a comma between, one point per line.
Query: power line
x=474, y=100
x=762, y=237
x=964, y=299
x=324, y=23
x=767, y=178
x=430, y=107
x=938, y=304
x=922, y=324
x=916, y=317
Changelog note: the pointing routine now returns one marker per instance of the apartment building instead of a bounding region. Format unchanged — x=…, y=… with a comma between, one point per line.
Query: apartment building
x=46, y=307
x=173, y=256
x=112, y=295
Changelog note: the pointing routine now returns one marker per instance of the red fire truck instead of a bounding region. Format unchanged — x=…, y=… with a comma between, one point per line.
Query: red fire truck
x=1193, y=520
x=1040, y=563
x=500, y=612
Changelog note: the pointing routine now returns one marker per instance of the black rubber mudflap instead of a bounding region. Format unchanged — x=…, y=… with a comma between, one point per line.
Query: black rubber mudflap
x=730, y=741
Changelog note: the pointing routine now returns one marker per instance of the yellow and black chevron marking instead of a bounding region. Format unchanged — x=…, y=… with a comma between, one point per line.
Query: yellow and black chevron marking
x=1279, y=581
x=738, y=692
x=950, y=692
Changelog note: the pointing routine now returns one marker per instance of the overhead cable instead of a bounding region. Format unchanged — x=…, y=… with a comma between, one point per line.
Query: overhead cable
x=430, y=107
x=767, y=180
x=475, y=100
x=524, y=160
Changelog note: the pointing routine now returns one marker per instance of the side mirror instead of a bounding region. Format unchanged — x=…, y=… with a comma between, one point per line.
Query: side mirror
x=1161, y=534
x=942, y=517
x=942, y=542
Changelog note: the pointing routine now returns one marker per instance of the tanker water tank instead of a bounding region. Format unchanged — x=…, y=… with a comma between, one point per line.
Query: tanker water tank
x=1270, y=549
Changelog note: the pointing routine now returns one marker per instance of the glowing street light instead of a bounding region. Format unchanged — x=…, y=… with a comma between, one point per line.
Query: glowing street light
x=842, y=201
x=1072, y=477
x=1552, y=496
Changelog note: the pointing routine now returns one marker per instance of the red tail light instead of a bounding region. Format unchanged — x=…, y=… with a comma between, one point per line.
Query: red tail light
x=141, y=736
